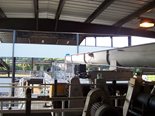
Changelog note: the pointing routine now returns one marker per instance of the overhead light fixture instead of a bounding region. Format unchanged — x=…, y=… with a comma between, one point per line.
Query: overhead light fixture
x=147, y=23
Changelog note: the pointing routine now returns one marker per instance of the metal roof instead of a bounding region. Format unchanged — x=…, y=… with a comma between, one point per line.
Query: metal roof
x=92, y=16
x=78, y=10
x=120, y=9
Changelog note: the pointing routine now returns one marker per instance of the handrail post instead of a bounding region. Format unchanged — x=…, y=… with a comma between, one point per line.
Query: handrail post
x=63, y=106
x=1, y=105
x=28, y=102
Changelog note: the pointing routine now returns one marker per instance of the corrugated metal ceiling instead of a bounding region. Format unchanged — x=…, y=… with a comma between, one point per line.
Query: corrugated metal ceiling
x=17, y=8
x=80, y=10
x=75, y=10
x=47, y=8
x=119, y=9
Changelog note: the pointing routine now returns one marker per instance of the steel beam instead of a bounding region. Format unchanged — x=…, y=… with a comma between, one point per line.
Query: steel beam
x=135, y=14
x=2, y=14
x=72, y=27
x=36, y=12
x=99, y=10
x=58, y=13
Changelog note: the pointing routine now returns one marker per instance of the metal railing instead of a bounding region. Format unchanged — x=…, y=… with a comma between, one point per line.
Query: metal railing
x=28, y=104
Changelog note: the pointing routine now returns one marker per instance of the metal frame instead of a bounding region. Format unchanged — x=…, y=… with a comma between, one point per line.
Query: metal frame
x=71, y=27
x=135, y=14
x=58, y=12
x=36, y=12
x=2, y=14
x=13, y=60
x=105, y=4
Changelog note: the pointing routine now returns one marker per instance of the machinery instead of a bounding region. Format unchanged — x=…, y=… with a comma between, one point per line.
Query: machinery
x=139, y=100
x=139, y=97
x=98, y=104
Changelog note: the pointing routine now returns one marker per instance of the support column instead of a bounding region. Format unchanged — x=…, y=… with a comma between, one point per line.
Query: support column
x=77, y=42
x=111, y=41
x=13, y=61
x=95, y=42
x=28, y=102
x=129, y=40
x=31, y=63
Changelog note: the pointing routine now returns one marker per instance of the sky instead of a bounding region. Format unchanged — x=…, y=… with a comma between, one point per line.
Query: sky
x=60, y=51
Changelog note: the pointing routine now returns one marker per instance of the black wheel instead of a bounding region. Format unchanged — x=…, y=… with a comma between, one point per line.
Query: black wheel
x=106, y=110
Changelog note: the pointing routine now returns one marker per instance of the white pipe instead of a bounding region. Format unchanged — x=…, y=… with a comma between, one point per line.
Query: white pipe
x=141, y=55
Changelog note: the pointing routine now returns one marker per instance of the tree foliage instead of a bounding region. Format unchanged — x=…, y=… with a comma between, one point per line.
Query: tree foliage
x=26, y=63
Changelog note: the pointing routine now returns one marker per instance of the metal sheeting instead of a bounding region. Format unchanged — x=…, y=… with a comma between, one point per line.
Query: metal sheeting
x=79, y=10
x=119, y=9
x=150, y=14
x=17, y=8
x=134, y=22
x=47, y=8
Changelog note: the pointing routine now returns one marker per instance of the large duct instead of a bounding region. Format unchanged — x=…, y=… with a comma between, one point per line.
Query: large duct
x=135, y=56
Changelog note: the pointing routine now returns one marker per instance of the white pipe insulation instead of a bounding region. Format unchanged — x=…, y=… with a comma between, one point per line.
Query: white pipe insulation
x=136, y=56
